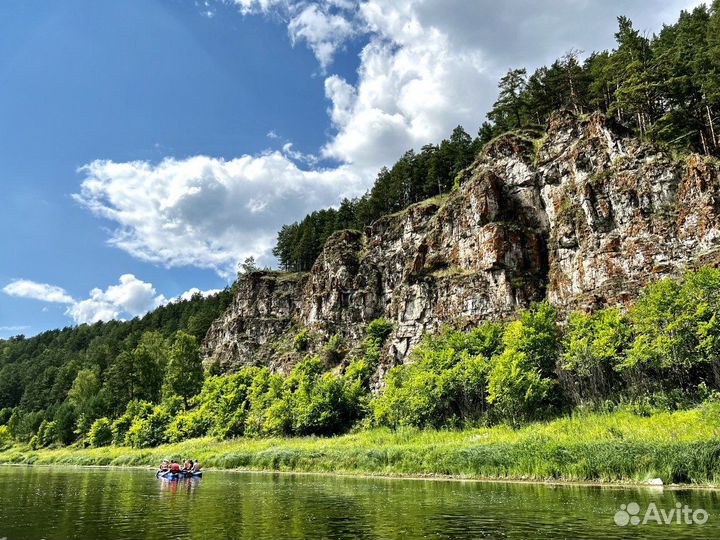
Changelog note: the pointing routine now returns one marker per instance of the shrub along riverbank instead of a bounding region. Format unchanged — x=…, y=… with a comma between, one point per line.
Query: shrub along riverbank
x=678, y=447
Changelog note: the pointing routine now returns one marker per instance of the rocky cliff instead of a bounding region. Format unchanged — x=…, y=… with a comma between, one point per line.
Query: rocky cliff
x=583, y=216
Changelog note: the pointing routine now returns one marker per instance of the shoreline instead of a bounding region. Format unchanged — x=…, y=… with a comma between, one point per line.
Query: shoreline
x=681, y=448
x=550, y=482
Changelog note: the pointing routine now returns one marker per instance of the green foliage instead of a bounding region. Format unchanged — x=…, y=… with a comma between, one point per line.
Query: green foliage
x=84, y=391
x=65, y=419
x=455, y=377
x=37, y=374
x=47, y=434
x=664, y=87
x=5, y=438
x=137, y=374
x=379, y=330
x=594, y=345
x=333, y=351
x=511, y=103
x=121, y=426
x=676, y=331
x=517, y=388
x=268, y=412
x=184, y=376
x=301, y=340
x=100, y=433
x=188, y=425
x=149, y=430
x=223, y=404
x=443, y=385
x=537, y=335
x=318, y=403
x=22, y=425
x=484, y=340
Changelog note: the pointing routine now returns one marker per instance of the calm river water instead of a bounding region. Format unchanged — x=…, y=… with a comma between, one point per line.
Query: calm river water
x=41, y=502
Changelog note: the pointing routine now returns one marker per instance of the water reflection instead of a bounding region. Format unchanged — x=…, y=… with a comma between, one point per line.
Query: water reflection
x=185, y=485
x=93, y=503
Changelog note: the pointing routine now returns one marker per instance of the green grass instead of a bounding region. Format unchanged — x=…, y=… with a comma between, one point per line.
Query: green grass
x=679, y=447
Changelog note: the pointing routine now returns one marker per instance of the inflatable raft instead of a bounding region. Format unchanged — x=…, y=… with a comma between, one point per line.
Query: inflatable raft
x=170, y=475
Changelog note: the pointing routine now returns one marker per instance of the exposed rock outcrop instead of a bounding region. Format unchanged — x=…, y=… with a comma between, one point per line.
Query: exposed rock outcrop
x=584, y=217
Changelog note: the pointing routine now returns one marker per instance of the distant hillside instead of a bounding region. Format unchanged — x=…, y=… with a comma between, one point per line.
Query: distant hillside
x=36, y=373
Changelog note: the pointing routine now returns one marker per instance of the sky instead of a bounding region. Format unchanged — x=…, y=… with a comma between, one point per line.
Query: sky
x=148, y=146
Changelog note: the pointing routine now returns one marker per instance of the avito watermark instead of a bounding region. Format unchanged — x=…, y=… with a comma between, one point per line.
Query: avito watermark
x=629, y=514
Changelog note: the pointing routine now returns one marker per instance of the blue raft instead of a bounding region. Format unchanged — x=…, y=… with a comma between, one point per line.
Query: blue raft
x=170, y=475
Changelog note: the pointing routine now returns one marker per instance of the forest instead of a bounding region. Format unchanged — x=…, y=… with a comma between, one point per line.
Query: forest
x=663, y=88
x=67, y=378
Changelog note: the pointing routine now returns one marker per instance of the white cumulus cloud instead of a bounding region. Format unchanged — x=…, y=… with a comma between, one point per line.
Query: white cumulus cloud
x=130, y=297
x=187, y=295
x=322, y=30
x=207, y=212
x=25, y=288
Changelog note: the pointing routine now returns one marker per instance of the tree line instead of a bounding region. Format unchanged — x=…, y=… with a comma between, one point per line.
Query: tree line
x=414, y=177
x=68, y=378
x=666, y=88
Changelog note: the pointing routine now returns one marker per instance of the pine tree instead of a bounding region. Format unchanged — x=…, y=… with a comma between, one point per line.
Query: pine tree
x=508, y=110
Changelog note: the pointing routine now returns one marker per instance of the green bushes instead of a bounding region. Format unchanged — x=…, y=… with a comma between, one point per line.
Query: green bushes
x=47, y=434
x=318, y=403
x=677, y=330
x=223, y=404
x=188, y=425
x=593, y=350
x=255, y=402
x=301, y=340
x=667, y=347
x=121, y=426
x=517, y=388
x=379, y=330
x=456, y=378
x=445, y=384
x=333, y=351
x=100, y=433
x=22, y=426
x=5, y=438
x=522, y=382
x=149, y=430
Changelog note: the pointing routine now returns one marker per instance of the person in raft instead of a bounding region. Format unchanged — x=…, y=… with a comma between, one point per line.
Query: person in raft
x=175, y=466
x=164, y=465
x=196, y=466
x=187, y=465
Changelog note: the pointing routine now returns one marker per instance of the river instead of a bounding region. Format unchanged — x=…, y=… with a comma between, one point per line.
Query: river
x=51, y=503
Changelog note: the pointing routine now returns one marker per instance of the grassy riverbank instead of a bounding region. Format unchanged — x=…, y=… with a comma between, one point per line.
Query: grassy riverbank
x=680, y=447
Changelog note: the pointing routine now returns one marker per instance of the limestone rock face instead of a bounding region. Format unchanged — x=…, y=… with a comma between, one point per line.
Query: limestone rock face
x=263, y=310
x=584, y=216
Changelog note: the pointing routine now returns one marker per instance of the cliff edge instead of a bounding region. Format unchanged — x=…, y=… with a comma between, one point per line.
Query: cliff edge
x=583, y=216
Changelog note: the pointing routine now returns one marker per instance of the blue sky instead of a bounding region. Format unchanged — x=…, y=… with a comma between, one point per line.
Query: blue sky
x=148, y=146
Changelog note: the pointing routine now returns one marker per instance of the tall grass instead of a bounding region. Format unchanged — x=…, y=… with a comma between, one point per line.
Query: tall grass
x=680, y=447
